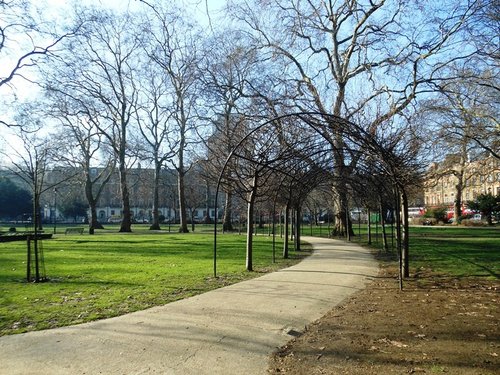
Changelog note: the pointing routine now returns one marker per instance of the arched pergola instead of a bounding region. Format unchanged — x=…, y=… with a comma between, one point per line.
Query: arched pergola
x=300, y=167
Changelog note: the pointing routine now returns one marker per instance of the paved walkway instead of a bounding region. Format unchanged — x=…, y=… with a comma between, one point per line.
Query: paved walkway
x=231, y=330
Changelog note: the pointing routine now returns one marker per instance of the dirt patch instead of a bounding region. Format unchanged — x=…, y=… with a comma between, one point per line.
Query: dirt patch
x=436, y=325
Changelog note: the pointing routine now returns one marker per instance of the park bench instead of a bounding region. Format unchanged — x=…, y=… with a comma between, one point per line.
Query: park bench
x=78, y=230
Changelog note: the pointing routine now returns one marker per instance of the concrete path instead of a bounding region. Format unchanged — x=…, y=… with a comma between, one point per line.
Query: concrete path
x=231, y=330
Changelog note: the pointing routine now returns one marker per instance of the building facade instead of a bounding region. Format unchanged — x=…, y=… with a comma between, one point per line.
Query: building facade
x=478, y=177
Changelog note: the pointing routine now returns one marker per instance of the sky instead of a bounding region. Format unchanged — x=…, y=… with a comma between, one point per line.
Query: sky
x=57, y=10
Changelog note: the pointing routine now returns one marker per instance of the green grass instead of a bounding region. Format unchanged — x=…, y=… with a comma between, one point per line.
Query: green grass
x=452, y=251
x=458, y=252
x=110, y=274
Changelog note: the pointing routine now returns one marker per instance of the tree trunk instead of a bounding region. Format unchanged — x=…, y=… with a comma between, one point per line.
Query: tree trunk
x=250, y=213
x=155, y=225
x=92, y=202
x=406, y=233
x=285, y=234
x=207, y=219
x=343, y=223
x=36, y=221
x=399, y=237
x=94, y=222
x=183, y=228
x=227, y=224
x=385, y=245
x=126, y=224
x=369, y=228
x=460, y=175
x=298, y=222
x=459, y=187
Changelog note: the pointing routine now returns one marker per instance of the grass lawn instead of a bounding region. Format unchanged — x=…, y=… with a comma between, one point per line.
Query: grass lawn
x=110, y=274
x=457, y=252
x=452, y=251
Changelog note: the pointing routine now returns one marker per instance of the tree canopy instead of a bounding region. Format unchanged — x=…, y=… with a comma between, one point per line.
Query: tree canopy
x=14, y=200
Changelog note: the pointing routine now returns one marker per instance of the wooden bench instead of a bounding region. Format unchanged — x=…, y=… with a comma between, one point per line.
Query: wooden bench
x=78, y=230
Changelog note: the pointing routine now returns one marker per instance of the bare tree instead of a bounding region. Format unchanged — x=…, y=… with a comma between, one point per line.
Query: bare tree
x=80, y=146
x=154, y=117
x=25, y=40
x=464, y=118
x=353, y=59
x=98, y=70
x=470, y=109
x=226, y=73
x=196, y=193
x=482, y=33
x=253, y=157
x=31, y=162
x=174, y=47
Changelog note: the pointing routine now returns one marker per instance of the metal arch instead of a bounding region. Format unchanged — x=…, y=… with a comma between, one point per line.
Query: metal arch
x=296, y=114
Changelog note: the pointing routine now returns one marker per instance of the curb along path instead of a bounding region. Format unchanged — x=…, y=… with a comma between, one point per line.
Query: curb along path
x=226, y=331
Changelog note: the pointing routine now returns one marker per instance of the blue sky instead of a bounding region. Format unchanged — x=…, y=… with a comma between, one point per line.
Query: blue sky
x=57, y=10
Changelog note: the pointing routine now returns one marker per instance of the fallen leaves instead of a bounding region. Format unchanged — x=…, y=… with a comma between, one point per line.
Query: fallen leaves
x=395, y=343
x=447, y=330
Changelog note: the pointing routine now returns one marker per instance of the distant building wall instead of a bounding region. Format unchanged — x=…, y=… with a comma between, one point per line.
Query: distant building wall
x=480, y=177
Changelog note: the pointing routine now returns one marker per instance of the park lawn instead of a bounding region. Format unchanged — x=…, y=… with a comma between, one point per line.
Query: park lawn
x=110, y=274
x=451, y=251
x=446, y=250
x=456, y=251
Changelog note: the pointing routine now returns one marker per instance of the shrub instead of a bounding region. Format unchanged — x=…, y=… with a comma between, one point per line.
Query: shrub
x=437, y=214
x=473, y=223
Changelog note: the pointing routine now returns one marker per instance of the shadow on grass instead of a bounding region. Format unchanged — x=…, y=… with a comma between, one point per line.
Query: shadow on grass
x=459, y=258
x=483, y=267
